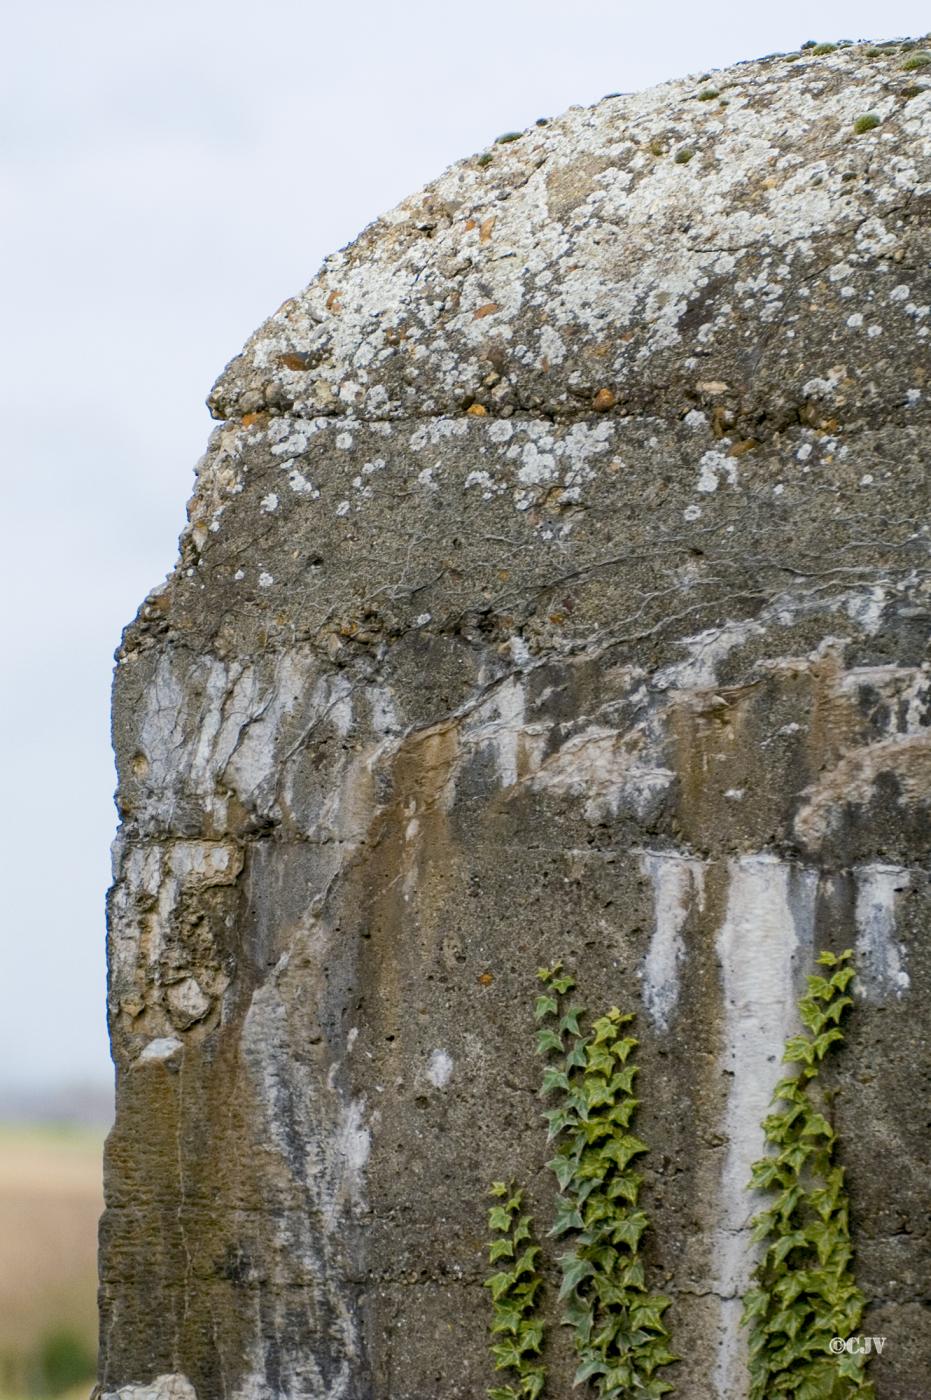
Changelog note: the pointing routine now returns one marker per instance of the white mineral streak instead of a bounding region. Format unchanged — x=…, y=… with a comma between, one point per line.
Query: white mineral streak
x=497, y=726
x=766, y=934
x=677, y=881
x=168, y=1387
x=902, y=754
x=607, y=769
x=880, y=958
x=321, y=1137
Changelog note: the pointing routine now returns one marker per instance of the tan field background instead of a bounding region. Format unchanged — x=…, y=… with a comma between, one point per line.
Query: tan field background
x=50, y=1202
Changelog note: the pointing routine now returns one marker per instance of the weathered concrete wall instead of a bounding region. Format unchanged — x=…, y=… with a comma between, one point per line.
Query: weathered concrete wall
x=556, y=585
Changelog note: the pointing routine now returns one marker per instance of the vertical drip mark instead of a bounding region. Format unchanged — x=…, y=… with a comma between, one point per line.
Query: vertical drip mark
x=768, y=923
x=880, y=958
x=676, y=881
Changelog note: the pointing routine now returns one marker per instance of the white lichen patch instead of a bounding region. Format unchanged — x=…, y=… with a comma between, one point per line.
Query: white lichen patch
x=712, y=467
x=440, y=1068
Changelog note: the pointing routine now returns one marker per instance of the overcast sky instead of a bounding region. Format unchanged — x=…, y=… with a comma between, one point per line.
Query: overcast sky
x=169, y=173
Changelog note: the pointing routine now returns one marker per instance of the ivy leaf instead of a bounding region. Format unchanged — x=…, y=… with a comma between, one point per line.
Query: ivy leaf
x=577, y=1057
x=594, y=1366
x=762, y=1226
x=764, y=1174
x=629, y=1230
x=531, y=1338
x=649, y=1315
x=507, y=1355
x=499, y=1218
x=621, y=1113
x=554, y=1079
x=756, y=1303
x=824, y=1041
x=625, y=1186
x=618, y=1376
x=570, y=1022
x=837, y=1008
x=526, y=1264
x=534, y=1383
x=522, y=1230
x=816, y=1125
x=605, y=1030
x=562, y=984
x=656, y=1388
x=785, y=1245
x=545, y=1006
x=798, y=1050
x=563, y=1169
x=599, y=1060
x=622, y=1048
x=796, y=1155
x=498, y=1188
x=558, y=1119
x=499, y=1284
x=547, y=1041
x=567, y=1217
x=623, y=1081
x=500, y=1249
x=633, y=1275
x=574, y=1270
x=623, y=1148
x=786, y=1201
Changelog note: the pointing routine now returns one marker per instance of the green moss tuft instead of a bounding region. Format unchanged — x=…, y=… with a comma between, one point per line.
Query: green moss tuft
x=683, y=156
x=708, y=95
x=866, y=123
x=819, y=49
x=508, y=137
x=916, y=60
x=485, y=159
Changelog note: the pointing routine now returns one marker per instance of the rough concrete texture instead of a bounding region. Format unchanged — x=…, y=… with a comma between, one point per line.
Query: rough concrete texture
x=556, y=585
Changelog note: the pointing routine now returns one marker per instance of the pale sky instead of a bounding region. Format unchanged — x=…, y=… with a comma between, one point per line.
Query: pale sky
x=169, y=173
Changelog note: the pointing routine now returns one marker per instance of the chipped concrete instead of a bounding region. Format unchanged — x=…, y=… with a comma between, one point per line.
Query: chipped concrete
x=555, y=585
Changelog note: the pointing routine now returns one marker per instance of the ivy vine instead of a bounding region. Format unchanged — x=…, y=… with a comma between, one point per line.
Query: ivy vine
x=804, y=1292
x=515, y=1296
x=619, y=1333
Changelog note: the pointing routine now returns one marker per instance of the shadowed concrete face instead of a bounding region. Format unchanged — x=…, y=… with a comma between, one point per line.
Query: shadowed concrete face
x=555, y=586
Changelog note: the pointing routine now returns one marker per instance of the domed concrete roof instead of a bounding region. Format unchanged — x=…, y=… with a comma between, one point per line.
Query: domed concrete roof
x=626, y=255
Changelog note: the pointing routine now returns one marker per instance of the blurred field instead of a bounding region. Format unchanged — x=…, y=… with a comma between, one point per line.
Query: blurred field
x=50, y=1202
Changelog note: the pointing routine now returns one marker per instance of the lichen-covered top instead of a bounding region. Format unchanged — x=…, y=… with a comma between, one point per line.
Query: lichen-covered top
x=618, y=256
